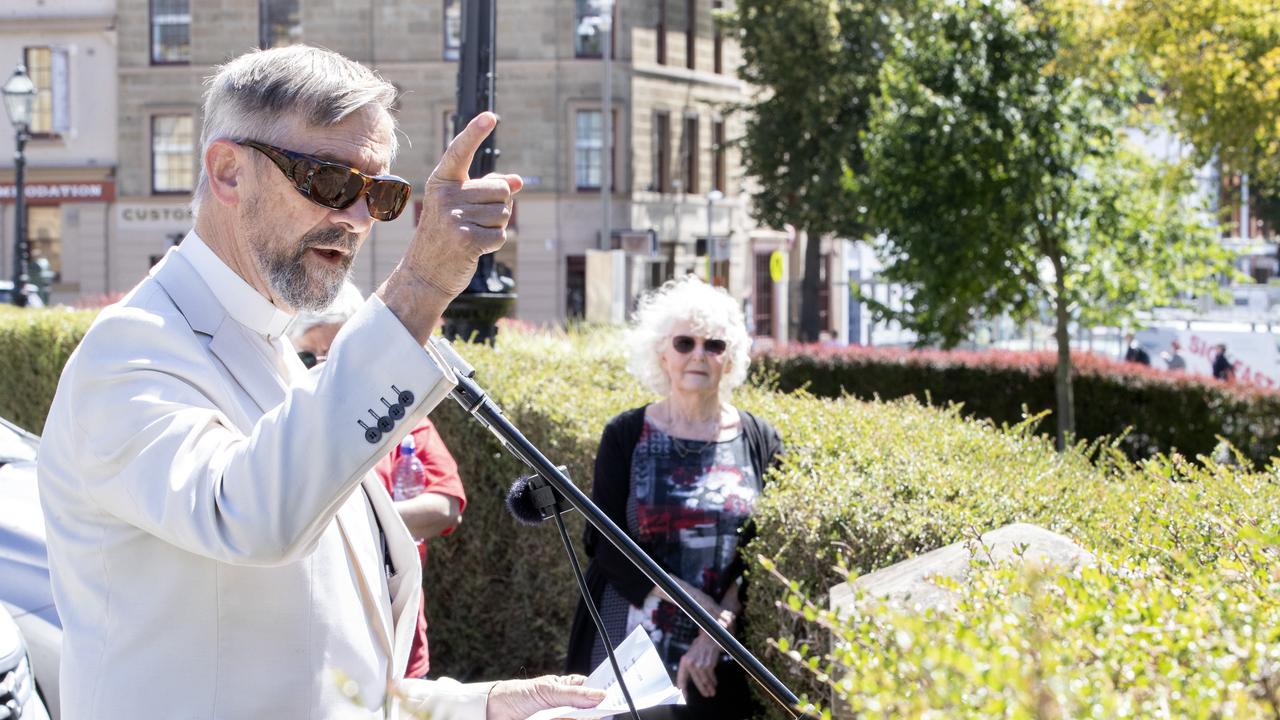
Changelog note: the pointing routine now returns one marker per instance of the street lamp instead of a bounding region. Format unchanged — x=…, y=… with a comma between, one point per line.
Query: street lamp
x=19, y=97
x=601, y=25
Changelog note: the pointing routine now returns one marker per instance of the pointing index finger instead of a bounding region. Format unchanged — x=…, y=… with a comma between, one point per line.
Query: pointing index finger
x=456, y=161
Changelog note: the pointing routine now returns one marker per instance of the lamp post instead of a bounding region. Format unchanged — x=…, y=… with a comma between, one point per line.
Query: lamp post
x=713, y=197
x=601, y=25
x=19, y=97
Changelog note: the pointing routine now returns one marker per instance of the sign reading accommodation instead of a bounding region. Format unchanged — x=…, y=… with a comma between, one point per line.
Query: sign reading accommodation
x=53, y=193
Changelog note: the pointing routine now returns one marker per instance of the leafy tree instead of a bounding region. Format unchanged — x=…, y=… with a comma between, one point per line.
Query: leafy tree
x=998, y=181
x=815, y=65
x=1217, y=68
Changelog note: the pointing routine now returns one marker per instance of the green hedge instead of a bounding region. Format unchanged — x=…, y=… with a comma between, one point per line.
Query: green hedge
x=1182, y=615
x=869, y=484
x=34, y=345
x=1153, y=411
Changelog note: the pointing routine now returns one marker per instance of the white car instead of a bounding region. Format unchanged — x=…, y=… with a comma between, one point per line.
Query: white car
x=19, y=699
x=25, y=592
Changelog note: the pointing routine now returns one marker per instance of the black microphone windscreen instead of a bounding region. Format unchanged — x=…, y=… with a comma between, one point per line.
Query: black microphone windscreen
x=521, y=505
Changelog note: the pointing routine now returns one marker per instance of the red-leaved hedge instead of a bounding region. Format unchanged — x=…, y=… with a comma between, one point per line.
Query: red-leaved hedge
x=1160, y=411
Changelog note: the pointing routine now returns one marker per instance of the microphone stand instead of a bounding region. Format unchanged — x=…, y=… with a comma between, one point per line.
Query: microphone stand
x=477, y=403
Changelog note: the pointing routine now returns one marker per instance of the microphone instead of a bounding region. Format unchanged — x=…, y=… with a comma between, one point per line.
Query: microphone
x=532, y=499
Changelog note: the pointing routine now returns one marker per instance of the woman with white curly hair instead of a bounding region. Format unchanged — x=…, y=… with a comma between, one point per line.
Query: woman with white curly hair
x=681, y=475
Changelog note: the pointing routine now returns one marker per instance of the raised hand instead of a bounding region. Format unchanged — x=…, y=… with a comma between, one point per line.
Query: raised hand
x=462, y=218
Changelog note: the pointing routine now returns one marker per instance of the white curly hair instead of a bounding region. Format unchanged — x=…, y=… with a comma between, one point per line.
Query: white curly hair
x=711, y=312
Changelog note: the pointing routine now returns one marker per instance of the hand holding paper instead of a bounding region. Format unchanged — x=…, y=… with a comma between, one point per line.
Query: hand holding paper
x=646, y=679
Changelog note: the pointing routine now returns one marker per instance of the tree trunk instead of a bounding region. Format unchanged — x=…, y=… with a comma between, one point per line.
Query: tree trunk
x=809, y=320
x=1062, y=378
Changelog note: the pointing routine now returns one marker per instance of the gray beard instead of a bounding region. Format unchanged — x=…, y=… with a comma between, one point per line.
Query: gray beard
x=289, y=277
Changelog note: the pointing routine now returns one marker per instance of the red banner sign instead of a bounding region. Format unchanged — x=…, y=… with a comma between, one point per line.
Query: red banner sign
x=54, y=193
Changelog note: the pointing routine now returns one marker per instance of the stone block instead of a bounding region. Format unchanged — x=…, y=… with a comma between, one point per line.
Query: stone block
x=909, y=583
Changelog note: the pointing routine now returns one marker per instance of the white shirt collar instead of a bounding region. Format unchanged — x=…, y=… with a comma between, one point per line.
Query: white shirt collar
x=246, y=305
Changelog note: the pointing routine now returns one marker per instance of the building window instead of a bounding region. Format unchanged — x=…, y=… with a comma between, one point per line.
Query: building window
x=279, y=24
x=689, y=153
x=452, y=29
x=762, y=299
x=575, y=287
x=718, y=154
x=172, y=154
x=661, y=151
x=589, y=44
x=717, y=40
x=44, y=228
x=690, y=32
x=48, y=70
x=170, y=31
x=661, y=32
x=587, y=145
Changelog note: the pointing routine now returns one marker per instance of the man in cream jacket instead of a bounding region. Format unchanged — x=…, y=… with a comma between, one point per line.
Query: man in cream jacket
x=218, y=546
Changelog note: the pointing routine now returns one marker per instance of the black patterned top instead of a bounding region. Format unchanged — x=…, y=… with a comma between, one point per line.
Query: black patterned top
x=688, y=500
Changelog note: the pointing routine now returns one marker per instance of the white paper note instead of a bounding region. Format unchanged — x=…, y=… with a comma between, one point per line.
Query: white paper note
x=646, y=679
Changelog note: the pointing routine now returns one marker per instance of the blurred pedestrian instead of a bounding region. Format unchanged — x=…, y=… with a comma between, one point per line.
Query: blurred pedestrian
x=1223, y=369
x=1173, y=359
x=1134, y=352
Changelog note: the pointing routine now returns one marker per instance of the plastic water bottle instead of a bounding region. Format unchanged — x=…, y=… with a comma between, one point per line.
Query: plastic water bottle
x=408, y=477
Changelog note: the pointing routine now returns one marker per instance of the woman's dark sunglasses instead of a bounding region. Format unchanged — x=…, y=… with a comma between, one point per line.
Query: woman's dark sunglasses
x=684, y=345
x=337, y=186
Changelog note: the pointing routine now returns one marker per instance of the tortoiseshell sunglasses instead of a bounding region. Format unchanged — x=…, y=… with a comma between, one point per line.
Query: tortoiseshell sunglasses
x=337, y=186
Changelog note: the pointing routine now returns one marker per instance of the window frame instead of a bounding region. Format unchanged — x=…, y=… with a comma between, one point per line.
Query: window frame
x=262, y=24
x=691, y=34
x=578, y=147
x=154, y=155
x=662, y=151
x=719, y=156
x=45, y=92
x=717, y=40
x=661, y=32
x=578, y=53
x=450, y=53
x=151, y=35
x=690, y=149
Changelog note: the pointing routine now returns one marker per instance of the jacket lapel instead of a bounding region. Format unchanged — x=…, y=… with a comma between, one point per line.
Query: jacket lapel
x=231, y=342
x=235, y=346
x=406, y=585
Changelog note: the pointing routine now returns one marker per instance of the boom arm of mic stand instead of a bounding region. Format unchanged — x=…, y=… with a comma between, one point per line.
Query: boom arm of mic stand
x=477, y=404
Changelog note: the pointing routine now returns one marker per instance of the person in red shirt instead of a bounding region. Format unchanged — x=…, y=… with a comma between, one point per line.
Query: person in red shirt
x=438, y=509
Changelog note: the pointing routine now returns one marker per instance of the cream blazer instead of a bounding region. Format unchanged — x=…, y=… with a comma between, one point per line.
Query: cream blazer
x=210, y=522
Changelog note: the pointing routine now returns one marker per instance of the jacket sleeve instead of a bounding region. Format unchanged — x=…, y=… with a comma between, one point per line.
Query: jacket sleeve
x=142, y=431
x=443, y=699
x=610, y=488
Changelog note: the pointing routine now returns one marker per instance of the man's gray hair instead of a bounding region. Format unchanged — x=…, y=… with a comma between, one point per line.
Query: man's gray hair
x=262, y=94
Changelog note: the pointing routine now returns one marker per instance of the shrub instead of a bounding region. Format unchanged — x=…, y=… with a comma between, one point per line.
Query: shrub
x=1182, y=614
x=1152, y=410
x=869, y=484
x=34, y=345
